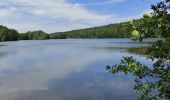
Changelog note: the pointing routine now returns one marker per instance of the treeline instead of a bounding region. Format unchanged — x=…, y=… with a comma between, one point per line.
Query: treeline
x=108, y=31
x=119, y=30
x=8, y=34
x=34, y=35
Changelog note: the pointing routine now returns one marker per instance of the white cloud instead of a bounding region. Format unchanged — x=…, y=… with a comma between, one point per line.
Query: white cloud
x=25, y=15
x=106, y=2
x=56, y=9
x=168, y=10
x=7, y=11
x=148, y=11
x=53, y=15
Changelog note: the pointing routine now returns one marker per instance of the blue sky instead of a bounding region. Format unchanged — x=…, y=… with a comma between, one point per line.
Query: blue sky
x=63, y=15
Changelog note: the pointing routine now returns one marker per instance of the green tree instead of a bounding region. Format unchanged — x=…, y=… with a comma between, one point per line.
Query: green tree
x=157, y=77
x=34, y=35
x=8, y=34
x=118, y=30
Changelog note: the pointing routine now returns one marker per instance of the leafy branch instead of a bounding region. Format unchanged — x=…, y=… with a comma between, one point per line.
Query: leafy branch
x=151, y=82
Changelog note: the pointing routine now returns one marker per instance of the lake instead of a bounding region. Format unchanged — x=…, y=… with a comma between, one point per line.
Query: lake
x=71, y=69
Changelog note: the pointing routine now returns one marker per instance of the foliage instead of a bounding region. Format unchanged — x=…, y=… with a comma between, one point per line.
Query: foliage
x=8, y=34
x=151, y=82
x=58, y=36
x=118, y=30
x=35, y=35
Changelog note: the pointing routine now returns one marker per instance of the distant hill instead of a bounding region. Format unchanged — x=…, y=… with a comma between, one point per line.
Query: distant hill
x=118, y=30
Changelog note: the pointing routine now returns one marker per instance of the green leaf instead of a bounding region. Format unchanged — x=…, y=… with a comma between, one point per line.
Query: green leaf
x=131, y=22
x=146, y=15
x=135, y=33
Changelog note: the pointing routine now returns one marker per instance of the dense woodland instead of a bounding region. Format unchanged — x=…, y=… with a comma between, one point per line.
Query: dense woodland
x=34, y=35
x=8, y=34
x=118, y=30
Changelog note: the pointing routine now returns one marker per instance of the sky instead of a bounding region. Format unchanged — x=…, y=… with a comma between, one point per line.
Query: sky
x=64, y=15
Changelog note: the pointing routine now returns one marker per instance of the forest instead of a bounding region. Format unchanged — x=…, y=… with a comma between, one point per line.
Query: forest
x=34, y=35
x=118, y=30
x=8, y=34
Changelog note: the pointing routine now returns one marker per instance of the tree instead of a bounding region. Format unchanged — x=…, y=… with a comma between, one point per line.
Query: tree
x=155, y=78
x=35, y=35
x=118, y=30
x=8, y=34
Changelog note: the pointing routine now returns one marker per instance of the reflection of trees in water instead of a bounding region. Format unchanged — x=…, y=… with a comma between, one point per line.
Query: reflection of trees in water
x=139, y=50
x=5, y=53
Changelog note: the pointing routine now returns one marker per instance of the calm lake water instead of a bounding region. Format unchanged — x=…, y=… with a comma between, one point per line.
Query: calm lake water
x=72, y=69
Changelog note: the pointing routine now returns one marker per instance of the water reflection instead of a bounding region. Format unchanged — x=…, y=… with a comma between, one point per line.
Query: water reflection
x=64, y=70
